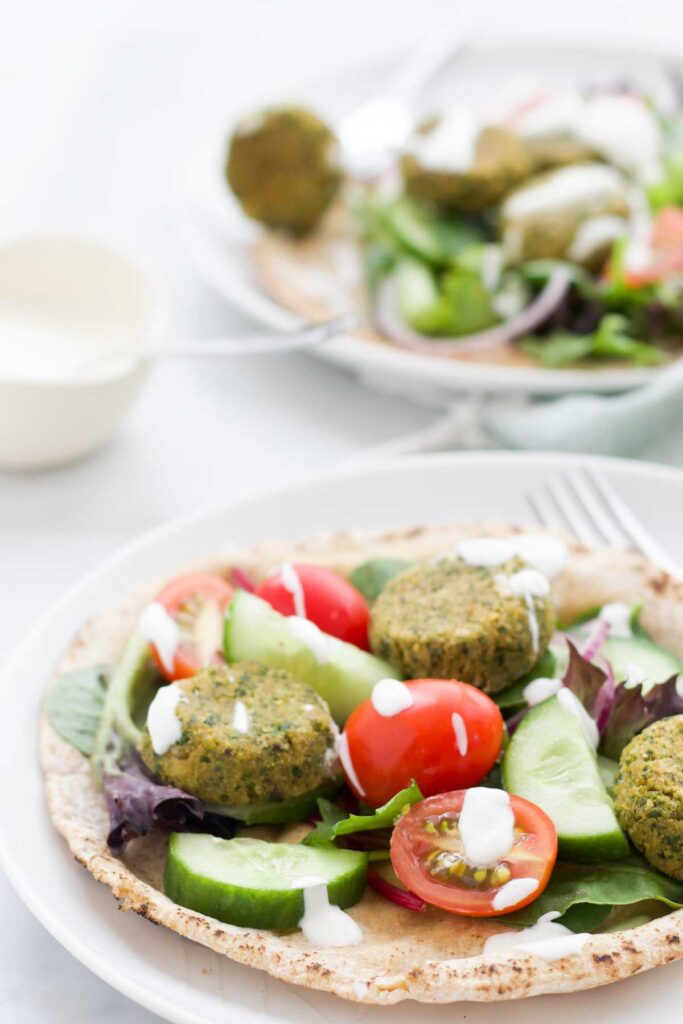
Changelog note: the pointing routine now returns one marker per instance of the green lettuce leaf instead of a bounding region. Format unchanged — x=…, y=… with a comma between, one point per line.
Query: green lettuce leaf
x=335, y=823
x=372, y=577
x=577, y=893
x=74, y=706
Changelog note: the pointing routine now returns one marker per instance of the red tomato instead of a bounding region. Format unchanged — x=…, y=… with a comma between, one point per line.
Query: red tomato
x=666, y=245
x=426, y=856
x=448, y=739
x=197, y=602
x=322, y=596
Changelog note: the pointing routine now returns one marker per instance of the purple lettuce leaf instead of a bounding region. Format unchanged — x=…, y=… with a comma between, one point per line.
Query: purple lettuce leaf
x=137, y=804
x=583, y=678
x=632, y=711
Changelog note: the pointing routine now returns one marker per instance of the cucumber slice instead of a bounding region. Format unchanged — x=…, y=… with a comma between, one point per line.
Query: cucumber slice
x=550, y=762
x=342, y=674
x=279, y=812
x=638, y=653
x=249, y=882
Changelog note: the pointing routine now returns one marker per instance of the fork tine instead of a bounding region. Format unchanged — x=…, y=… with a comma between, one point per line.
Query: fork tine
x=569, y=507
x=543, y=509
x=637, y=534
x=583, y=487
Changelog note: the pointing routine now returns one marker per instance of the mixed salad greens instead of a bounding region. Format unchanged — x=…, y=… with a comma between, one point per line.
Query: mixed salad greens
x=535, y=795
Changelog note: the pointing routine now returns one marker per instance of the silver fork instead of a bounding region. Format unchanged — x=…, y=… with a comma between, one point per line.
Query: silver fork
x=584, y=503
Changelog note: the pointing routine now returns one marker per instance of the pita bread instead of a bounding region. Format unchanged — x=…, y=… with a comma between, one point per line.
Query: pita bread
x=432, y=957
x=322, y=276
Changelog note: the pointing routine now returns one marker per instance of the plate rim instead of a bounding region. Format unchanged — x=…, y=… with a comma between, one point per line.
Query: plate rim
x=60, y=930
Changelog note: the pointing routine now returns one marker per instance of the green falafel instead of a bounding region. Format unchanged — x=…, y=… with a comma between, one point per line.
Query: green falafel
x=283, y=167
x=449, y=619
x=648, y=794
x=250, y=735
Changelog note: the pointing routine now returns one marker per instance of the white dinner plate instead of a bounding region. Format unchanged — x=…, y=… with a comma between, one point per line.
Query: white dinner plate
x=182, y=981
x=218, y=236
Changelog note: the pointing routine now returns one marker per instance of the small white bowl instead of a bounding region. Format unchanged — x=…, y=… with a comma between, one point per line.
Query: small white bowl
x=64, y=302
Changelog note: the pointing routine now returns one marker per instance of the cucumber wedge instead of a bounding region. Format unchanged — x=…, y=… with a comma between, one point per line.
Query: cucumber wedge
x=342, y=674
x=550, y=762
x=641, y=655
x=249, y=882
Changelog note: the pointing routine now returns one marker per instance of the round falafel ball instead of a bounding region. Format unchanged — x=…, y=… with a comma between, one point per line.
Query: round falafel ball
x=451, y=620
x=648, y=794
x=283, y=166
x=500, y=162
x=250, y=735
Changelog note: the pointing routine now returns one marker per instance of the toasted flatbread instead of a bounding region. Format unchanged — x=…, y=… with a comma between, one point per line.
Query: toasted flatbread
x=433, y=957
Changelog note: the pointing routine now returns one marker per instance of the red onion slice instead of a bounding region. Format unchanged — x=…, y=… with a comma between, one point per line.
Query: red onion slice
x=389, y=321
x=391, y=892
x=240, y=578
x=599, y=632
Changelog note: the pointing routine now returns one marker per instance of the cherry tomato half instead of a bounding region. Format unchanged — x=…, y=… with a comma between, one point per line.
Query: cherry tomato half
x=666, y=250
x=322, y=596
x=197, y=602
x=426, y=854
x=449, y=738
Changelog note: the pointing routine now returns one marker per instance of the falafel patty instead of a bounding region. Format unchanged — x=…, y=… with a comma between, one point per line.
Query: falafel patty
x=449, y=619
x=648, y=794
x=250, y=735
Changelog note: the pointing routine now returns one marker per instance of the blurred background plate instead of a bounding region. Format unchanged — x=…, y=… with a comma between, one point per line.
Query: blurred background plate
x=180, y=980
x=218, y=236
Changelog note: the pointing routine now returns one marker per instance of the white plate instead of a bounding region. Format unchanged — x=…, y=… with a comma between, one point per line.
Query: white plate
x=218, y=235
x=179, y=980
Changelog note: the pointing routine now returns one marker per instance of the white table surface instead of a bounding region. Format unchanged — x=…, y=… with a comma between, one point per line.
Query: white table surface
x=101, y=105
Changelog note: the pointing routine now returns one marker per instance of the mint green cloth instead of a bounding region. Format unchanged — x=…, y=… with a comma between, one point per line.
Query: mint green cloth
x=646, y=423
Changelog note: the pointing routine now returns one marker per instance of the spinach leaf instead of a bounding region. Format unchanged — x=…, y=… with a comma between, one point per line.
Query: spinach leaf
x=573, y=890
x=512, y=698
x=372, y=577
x=335, y=823
x=74, y=706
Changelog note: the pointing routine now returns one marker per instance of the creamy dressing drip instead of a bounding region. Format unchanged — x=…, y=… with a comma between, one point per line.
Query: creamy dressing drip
x=460, y=730
x=347, y=763
x=451, y=146
x=547, y=554
x=635, y=675
x=390, y=697
x=540, y=689
x=595, y=234
x=618, y=615
x=567, y=187
x=486, y=826
x=570, y=702
x=292, y=583
x=527, y=584
x=513, y=892
x=240, y=718
x=163, y=725
x=157, y=626
x=307, y=633
x=322, y=923
x=546, y=939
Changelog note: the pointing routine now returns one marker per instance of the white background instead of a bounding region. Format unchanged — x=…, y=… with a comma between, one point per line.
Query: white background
x=102, y=107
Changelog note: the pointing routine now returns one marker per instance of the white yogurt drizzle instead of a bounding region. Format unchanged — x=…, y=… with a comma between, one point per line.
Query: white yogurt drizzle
x=322, y=923
x=347, y=763
x=635, y=675
x=540, y=689
x=487, y=825
x=460, y=730
x=618, y=615
x=450, y=146
x=570, y=702
x=240, y=718
x=390, y=697
x=547, y=554
x=513, y=892
x=566, y=187
x=157, y=626
x=595, y=234
x=310, y=636
x=163, y=724
x=546, y=939
x=292, y=584
x=528, y=584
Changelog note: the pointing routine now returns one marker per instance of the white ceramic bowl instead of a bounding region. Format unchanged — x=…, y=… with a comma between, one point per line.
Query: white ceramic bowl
x=63, y=302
